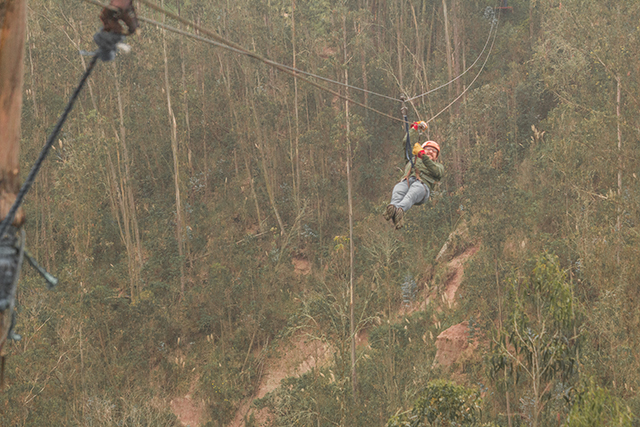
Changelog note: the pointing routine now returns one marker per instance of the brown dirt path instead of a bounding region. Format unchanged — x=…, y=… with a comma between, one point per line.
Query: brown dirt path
x=456, y=274
x=190, y=411
x=296, y=358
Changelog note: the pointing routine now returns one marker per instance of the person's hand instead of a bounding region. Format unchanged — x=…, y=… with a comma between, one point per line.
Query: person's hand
x=417, y=148
x=419, y=125
x=421, y=153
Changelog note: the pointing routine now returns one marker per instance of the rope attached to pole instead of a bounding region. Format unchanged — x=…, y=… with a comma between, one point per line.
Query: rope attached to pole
x=45, y=150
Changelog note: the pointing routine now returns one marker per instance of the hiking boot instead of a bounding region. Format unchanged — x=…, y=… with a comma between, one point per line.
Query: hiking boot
x=389, y=213
x=398, y=219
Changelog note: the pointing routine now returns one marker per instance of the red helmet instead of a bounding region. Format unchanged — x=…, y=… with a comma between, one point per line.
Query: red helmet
x=433, y=145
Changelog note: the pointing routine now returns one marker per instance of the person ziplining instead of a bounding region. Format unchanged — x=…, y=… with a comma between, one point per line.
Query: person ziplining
x=421, y=174
x=422, y=171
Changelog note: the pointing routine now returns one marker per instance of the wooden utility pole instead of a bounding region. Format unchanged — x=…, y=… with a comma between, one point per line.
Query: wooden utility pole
x=12, y=38
x=13, y=25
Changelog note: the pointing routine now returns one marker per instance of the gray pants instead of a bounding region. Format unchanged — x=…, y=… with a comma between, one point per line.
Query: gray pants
x=404, y=196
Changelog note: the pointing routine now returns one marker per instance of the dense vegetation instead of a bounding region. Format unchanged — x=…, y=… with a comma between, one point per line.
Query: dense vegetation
x=188, y=178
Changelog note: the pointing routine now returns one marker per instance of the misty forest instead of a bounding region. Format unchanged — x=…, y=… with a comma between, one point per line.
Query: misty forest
x=215, y=218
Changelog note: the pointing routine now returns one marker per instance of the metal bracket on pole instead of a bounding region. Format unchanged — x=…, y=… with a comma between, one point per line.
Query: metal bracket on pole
x=50, y=279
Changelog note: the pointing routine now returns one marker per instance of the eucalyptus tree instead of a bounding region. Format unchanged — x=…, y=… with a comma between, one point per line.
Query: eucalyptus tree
x=538, y=343
x=584, y=60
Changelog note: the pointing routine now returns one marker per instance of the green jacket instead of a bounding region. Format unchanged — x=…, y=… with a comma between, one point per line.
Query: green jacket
x=430, y=171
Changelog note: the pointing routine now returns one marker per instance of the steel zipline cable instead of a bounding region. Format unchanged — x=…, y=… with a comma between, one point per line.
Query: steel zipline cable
x=222, y=40
x=228, y=45
x=473, y=81
x=486, y=43
x=45, y=150
x=289, y=70
x=223, y=43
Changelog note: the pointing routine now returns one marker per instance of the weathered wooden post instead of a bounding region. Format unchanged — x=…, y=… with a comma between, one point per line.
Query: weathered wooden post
x=12, y=39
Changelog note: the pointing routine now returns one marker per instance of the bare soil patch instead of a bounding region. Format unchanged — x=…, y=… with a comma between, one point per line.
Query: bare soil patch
x=452, y=343
x=297, y=357
x=190, y=411
x=456, y=274
x=301, y=266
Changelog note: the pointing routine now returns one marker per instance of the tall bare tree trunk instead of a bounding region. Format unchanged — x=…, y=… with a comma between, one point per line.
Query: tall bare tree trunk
x=457, y=159
x=418, y=61
x=455, y=109
x=34, y=97
x=205, y=149
x=427, y=58
x=13, y=19
x=185, y=101
x=245, y=156
x=121, y=214
x=253, y=192
x=187, y=123
x=265, y=169
x=363, y=63
x=619, y=121
x=176, y=165
x=400, y=22
x=127, y=203
x=447, y=38
x=296, y=187
x=506, y=382
x=531, y=6
x=354, y=378
x=457, y=50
